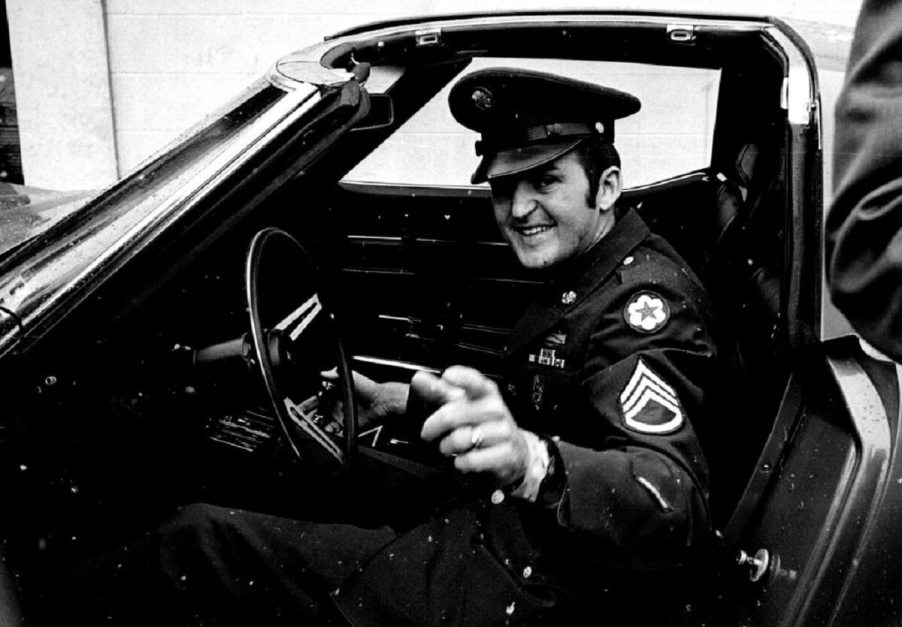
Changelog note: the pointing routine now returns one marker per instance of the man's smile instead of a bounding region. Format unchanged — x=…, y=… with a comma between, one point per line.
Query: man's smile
x=529, y=231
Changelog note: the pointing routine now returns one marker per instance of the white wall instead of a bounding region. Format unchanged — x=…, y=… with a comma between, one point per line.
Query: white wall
x=62, y=93
x=102, y=84
x=172, y=61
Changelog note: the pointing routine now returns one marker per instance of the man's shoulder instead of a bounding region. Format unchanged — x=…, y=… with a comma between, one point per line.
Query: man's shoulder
x=655, y=261
x=654, y=277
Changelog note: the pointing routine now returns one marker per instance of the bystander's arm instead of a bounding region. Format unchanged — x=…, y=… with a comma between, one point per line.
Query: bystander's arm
x=864, y=225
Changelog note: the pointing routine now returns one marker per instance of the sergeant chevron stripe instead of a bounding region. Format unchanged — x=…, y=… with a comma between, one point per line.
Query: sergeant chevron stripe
x=650, y=404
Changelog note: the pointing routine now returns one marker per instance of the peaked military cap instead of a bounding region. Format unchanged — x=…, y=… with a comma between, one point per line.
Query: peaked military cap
x=528, y=118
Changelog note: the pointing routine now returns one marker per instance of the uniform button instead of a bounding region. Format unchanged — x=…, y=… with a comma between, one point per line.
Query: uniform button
x=628, y=260
x=568, y=298
x=527, y=572
x=497, y=497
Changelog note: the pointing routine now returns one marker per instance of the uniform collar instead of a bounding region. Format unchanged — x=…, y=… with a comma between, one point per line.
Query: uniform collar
x=573, y=281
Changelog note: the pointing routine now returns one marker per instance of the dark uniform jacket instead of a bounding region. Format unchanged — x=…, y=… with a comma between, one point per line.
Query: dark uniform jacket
x=611, y=363
x=864, y=226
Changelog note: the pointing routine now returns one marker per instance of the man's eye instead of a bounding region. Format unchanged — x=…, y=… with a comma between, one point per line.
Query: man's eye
x=543, y=182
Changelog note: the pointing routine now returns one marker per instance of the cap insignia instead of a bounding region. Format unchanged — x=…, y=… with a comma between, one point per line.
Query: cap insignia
x=483, y=99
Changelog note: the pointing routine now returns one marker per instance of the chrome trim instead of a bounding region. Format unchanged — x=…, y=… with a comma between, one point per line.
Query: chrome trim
x=304, y=71
x=428, y=37
x=376, y=238
x=392, y=239
x=375, y=188
x=393, y=363
x=739, y=23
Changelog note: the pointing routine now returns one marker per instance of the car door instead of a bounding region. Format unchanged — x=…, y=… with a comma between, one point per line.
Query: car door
x=809, y=542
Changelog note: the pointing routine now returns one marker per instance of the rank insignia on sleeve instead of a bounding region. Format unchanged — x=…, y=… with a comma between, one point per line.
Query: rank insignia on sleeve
x=646, y=312
x=649, y=404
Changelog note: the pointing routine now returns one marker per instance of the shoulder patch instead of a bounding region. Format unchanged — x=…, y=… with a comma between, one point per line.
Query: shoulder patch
x=646, y=312
x=649, y=404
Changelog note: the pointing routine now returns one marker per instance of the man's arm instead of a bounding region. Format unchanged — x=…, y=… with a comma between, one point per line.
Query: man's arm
x=864, y=226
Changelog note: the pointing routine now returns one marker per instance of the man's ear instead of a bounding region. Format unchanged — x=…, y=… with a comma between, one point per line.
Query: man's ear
x=609, y=187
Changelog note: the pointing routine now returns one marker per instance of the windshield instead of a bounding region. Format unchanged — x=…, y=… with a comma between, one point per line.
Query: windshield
x=63, y=249
x=126, y=203
x=29, y=212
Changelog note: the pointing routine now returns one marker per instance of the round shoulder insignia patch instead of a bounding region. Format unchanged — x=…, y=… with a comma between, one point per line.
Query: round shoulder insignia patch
x=646, y=312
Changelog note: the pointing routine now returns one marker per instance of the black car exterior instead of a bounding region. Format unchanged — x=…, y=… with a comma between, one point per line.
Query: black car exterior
x=110, y=420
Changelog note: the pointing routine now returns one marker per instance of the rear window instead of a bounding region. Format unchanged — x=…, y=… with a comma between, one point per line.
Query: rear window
x=670, y=135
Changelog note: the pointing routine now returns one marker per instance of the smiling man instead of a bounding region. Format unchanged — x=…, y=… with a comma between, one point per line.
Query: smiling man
x=607, y=371
x=588, y=497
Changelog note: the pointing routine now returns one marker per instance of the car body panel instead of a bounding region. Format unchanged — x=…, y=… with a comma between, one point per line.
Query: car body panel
x=816, y=494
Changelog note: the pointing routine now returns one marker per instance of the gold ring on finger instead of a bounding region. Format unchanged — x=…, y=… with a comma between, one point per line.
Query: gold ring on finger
x=476, y=438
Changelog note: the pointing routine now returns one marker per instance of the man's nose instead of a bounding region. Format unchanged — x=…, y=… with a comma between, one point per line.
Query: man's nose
x=523, y=201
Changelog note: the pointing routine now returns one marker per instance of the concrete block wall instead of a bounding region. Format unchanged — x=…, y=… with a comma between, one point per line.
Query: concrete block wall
x=62, y=93
x=102, y=84
x=172, y=61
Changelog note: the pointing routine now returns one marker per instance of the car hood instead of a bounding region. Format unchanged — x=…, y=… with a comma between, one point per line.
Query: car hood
x=26, y=212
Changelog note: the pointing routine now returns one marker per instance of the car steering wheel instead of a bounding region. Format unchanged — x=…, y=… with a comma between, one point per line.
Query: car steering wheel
x=294, y=339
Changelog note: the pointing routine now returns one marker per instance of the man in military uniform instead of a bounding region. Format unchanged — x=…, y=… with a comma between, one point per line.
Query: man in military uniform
x=864, y=225
x=595, y=487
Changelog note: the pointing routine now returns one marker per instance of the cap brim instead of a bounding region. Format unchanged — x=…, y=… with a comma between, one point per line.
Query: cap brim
x=521, y=159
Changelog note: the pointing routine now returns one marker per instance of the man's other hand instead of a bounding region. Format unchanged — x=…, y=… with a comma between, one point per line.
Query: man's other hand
x=375, y=401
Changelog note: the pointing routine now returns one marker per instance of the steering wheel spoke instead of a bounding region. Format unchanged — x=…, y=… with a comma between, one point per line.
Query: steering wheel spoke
x=295, y=340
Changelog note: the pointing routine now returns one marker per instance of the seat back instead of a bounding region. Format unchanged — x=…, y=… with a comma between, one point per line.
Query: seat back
x=729, y=228
x=744, y=273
